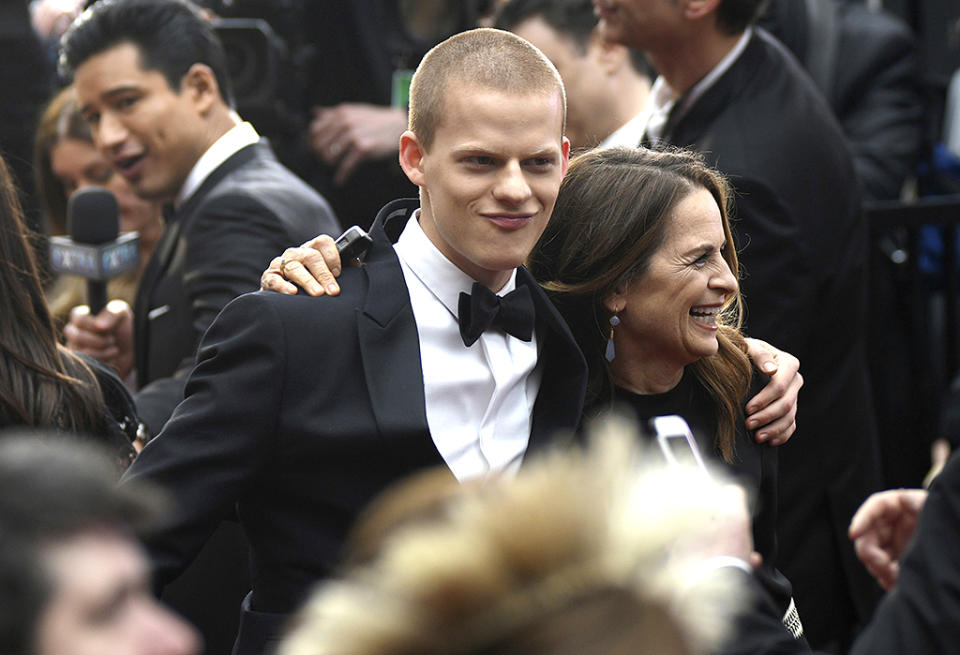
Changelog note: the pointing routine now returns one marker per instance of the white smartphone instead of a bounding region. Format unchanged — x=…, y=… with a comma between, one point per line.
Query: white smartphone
x=676, y=441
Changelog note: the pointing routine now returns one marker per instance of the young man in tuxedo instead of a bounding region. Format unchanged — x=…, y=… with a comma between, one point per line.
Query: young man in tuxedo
x=300, y=409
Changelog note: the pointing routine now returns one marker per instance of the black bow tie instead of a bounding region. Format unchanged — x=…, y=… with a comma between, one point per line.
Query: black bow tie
x=482, y=308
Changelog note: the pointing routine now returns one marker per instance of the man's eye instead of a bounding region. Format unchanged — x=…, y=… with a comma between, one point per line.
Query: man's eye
x=480, y=160
x=125, y=102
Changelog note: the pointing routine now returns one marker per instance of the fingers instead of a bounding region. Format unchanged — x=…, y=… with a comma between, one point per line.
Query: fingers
x=881, y=529
x=273, y=280
x=329, y=134
x=316, y=268
x=939, y=454
x=785, y=384
x=91, y=335
x=313, y=266
x=348, y=164
x=775, y=422
x=877, y=561
x=884, y=509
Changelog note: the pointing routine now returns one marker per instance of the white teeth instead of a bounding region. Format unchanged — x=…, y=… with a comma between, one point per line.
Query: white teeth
x=705, y=315
x=708, y=311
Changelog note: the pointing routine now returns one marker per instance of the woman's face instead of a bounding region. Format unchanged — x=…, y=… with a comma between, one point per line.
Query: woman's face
x=669, y=315
x=78, y=164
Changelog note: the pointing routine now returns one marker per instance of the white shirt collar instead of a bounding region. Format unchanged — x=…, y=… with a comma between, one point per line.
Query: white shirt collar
x=432, y=267
x=239, y=136
x=663, y=97
x=630, y=133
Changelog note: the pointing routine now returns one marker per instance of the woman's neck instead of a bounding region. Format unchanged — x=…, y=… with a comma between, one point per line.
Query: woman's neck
x=645, y=377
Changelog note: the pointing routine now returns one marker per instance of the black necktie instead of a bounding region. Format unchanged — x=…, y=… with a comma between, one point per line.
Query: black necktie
x=482, y=308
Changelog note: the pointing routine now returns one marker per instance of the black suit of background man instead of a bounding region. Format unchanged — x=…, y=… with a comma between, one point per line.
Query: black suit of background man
x=212, y=250
x=803, y=246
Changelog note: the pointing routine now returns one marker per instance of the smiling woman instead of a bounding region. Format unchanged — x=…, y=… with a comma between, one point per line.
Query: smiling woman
x=639, y=258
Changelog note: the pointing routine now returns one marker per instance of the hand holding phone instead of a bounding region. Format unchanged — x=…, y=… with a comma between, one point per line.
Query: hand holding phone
x=353, y=243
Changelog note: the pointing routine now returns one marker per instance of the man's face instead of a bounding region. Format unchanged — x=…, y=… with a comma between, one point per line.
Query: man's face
x=490, y=178
x=101, y=602
x=150, y=133
x=582, y=75
x=640, y=24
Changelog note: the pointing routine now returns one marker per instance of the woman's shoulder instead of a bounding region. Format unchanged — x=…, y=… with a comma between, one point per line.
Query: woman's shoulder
x=121, y=420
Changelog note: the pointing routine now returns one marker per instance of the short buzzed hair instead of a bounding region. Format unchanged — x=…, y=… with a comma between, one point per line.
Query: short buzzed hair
x=486, y=57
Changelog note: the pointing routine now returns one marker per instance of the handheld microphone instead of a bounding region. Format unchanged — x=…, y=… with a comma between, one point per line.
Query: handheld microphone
x=95, y=249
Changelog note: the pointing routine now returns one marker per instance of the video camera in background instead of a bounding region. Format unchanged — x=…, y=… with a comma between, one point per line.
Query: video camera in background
x=262, y=42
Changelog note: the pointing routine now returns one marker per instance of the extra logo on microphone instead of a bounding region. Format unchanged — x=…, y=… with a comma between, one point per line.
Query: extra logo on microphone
x=95, y=262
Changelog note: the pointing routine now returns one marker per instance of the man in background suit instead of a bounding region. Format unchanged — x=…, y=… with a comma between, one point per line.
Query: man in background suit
x=300, y=409
x=733, y=93
x=151, y=79
x=607, y=84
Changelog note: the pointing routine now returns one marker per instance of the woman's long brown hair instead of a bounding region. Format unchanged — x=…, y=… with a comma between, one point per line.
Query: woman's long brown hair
x=42, y=384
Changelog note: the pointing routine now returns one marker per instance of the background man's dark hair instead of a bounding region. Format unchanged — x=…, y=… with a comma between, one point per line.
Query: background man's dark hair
x=573, y=19
x=172, y=36
x=52, y=489
x=734, y=16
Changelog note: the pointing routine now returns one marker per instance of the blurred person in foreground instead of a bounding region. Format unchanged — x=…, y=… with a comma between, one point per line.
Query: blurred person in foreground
x=73, y=578
x=43, y=384
x=151, y=81
x=603, y=552
x=66, y=160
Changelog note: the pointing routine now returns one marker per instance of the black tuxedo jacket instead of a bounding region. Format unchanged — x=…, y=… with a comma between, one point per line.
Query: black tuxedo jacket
x=803, y=253
x=212, y=250
x=301, y=409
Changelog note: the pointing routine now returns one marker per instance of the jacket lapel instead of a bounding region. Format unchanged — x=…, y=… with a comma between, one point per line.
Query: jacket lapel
x=160, y=260
x=563, y=385
x=686, y=130
x=387, y=331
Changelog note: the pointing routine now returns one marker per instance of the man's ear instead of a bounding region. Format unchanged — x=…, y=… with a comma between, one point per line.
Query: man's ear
x=697, y=9
x=201, y=85
x=610, y=57
x=411, y=157
x=565, y=153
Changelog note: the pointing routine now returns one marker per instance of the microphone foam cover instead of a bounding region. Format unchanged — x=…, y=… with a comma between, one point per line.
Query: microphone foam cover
x=92, y=216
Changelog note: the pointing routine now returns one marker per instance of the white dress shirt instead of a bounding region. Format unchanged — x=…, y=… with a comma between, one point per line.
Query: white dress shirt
x=239, y=136
x=662, y=97
x=479, y=400
x=630, y=133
